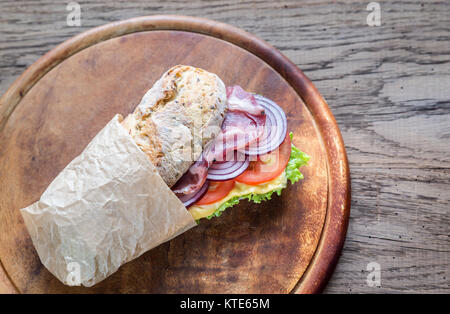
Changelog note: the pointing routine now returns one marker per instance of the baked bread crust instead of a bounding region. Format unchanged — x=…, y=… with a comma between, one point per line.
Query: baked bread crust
x=177, y=118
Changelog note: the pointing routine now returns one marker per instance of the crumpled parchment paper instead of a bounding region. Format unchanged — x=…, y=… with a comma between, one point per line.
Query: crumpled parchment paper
x=107, y=207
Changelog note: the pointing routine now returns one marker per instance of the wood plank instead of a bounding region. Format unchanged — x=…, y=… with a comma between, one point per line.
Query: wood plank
x=387, y=87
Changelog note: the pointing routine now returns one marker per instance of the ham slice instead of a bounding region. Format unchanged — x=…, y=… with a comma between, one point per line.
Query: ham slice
x=243, y=125
x=192, y=181
x=240, y=100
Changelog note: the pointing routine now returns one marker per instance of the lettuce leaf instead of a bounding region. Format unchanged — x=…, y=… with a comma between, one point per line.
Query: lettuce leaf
x=293, y=174
x=296, y=160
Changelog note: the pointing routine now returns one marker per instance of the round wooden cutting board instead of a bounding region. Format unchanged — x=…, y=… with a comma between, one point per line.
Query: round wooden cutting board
x=288, y=244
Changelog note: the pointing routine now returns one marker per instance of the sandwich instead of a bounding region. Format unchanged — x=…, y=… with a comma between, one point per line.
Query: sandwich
x=241, y=147
x=191, y=148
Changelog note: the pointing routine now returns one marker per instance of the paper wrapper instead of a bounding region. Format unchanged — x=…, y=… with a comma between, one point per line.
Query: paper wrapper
x=107, y=207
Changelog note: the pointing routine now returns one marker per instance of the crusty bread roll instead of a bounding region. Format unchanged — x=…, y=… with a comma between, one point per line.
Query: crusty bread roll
x=177, y=118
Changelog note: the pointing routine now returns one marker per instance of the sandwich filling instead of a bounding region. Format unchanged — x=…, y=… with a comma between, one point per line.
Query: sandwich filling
x=255, y=193
x=251, y=158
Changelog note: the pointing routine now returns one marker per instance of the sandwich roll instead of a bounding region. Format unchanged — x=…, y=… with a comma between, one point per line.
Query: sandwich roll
x=113, y=202
x=147, y=178
x=180, y=115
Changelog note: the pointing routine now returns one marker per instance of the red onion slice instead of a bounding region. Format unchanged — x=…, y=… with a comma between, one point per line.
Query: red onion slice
x=274, y=130
x=189, y=199
x=228, y=169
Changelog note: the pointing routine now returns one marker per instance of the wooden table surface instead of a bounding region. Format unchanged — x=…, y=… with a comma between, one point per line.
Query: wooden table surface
x=388, y=87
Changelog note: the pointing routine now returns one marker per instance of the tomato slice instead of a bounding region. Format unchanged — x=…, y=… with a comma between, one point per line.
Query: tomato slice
x=216, y=191
x=268, y=166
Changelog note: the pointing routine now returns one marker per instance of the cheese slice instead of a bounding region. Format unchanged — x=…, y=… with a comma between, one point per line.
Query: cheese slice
x=240, y=189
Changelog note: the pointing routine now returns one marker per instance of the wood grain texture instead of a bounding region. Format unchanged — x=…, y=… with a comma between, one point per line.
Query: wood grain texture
x=387, y=87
